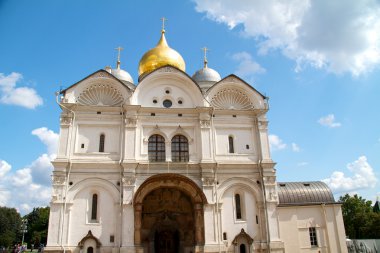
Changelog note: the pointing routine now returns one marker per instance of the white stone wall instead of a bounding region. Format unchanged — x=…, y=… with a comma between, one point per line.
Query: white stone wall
x=80, y=217
x=230, y=223
x=294, y=223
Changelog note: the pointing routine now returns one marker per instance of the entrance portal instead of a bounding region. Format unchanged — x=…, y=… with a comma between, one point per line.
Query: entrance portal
x=167, y=221
x=169, y=214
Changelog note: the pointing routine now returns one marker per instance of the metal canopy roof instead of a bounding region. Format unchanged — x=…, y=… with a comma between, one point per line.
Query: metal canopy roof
x=304, y=193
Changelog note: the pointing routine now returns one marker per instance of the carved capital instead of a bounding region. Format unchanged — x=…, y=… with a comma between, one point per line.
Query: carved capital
x=66, y=120
x=59, y=180
x=129, y=181
x=130, y=122
x=272, y=196
x=205, y=123
x=263, y=125
x=208, y=181
x=269, y=180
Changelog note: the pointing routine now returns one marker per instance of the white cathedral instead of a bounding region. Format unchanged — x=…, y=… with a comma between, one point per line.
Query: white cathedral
x=177, y=164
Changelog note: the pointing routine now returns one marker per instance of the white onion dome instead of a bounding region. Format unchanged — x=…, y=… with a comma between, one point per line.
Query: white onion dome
x=119, y=73
x=122, y=75
x=206, y=76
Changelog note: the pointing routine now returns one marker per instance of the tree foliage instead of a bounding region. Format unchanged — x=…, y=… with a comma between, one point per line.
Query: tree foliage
x=10, y=221
x=38, y=222
x=360, y=220
x=10, y=225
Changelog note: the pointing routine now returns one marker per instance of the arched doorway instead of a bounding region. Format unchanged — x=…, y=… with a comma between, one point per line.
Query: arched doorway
x=169, y=214
x=242, y=242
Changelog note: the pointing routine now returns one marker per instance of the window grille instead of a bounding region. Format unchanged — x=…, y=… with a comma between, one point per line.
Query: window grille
x=180, y=149
x=313, y=237
x=156, y=148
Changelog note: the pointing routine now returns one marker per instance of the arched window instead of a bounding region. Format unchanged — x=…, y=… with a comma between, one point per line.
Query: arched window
x=231, y=144
x=242, y=248
x=156, y=148
x=94, y=207
x=90, y=250
x=180, y=149
x=238, y=206
x=101, y=142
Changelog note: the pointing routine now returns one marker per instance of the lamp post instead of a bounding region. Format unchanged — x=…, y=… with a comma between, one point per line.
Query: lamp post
x=24, y=229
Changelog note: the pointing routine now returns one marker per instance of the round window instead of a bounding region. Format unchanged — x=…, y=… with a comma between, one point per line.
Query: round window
x=167, y=103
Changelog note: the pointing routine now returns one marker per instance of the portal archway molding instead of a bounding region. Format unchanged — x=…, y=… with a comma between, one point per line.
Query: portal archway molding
x=171, y=181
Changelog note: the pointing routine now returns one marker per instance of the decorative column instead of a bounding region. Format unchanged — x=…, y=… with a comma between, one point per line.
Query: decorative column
x=206, y=140
x=263, y=135
x=130, y=135
x=168, y=150
x=65, y=129
x=199, y=224
x=138, y=212
x=128, y=187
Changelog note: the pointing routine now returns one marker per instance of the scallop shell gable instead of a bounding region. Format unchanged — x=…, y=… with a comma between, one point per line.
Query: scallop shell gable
x=230, y=98
x=101, y=94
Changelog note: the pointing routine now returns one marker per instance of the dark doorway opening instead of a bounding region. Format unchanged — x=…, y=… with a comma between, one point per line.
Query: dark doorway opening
x=90, y=250
x=242, y=248
x=166, y=241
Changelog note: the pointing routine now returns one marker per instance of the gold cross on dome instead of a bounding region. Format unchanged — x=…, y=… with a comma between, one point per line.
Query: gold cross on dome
x=119, y=50
x=163, y=23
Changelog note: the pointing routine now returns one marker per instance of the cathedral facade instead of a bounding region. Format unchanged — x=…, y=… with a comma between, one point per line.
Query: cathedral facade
x=177, y=164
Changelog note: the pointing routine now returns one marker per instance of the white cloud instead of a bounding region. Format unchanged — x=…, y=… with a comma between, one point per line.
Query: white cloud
x=329, y=121
x=22, y=177
x=247, y=66
x=301, y=164
x=363, y=177
x=41, y=169
x=339, y=36
x=276, y=143
x=295, y=147
x=21, y=96
x=4, y=168
x=30, y=186
x=4, y=197
x=48, y=137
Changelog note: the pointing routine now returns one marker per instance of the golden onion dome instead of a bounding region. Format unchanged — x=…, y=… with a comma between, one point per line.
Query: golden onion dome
x=160, y=56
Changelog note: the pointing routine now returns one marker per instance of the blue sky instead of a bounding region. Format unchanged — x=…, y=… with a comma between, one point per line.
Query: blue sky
x=317, y=61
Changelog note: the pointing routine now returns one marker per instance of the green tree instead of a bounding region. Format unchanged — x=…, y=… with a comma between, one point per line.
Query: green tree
x=357, y=215
x=10, y=221
x=376, y=207
x=38, y=222
x=373, y=229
